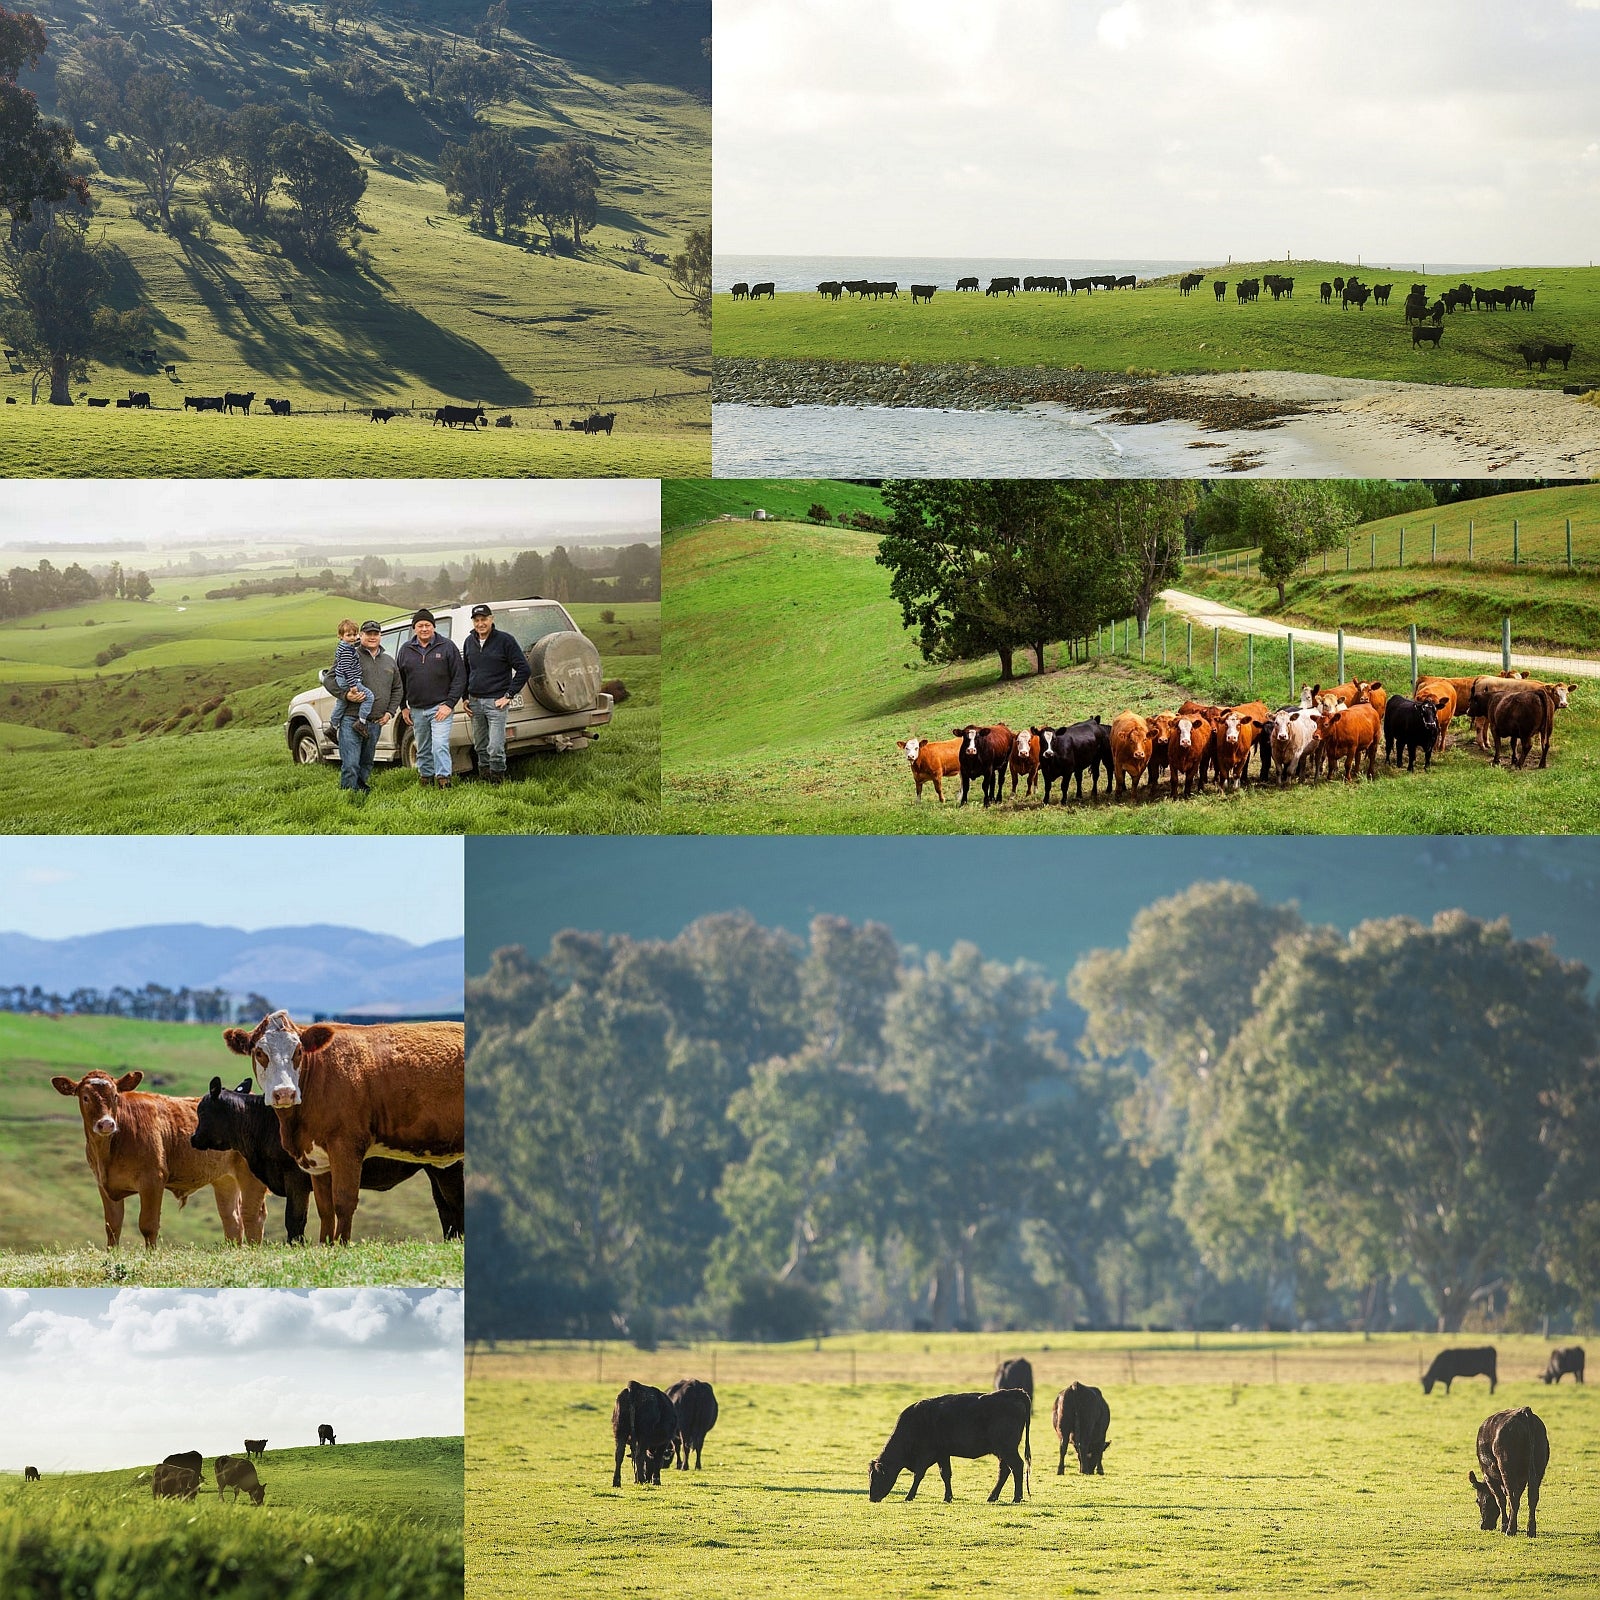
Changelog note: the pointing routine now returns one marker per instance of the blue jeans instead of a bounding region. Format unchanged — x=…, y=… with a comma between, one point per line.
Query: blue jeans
x=489, y=734
x=342, y=707
x=433, y=742
x=356, y=753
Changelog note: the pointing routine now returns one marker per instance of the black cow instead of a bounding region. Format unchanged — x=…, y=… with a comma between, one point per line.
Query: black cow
x=1567, y=1359
x=1326, y=294
x=643, y=1423
x=1008, y=286
x=984, y=755
x=255, y=1448
x=1513, y=1450
x=1081, y=1418
x=1380, y=293
x=388, y=413
x=1355, y=294
x=760, y=291
x=139, y=399
x=279, y=408
x=830, y=290
x=922, y=291
x=30, y=1475
x=452, y=416
x=241, y=402
x=1338, y=285
x=190, y=1460
x=1219, y=287
x=1448, y=1365
x=1067, y=753
x=171, y=370
x=694, y=1404
x=147, y=355
x=235, y=1119
x=930, y=1432
x=202, y=402
x=966, y=283
x=740, y=291
x=1421, y=335
x=1015, y=1374
x=1190, y=280
x=1556, y=352
x=232, y=1473
x=601, y=422
x=97, y=404
x=1410, y=725
x=1130, y=281
x=122, y=405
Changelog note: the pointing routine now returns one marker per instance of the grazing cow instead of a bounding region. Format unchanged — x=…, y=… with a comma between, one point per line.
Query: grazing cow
x=1016, y=1373
x=966, y=283
x=1514, y=1451
x=1293, y=737
x=644, y=1423
x=1410, y=725
x=1190, y=280
x=139, y=399
x=1233, y=738
x=1081, y=1418
x=1219, y=287
x=1130, y=750
x=1567, y=1359
x=279, y=408
x=1007, y=286
x=1421, y=335
x=932, y=761
x=1448, y=1365
x=1067, y=753
x=174, y=1483
x=386, y=413
x=255, y=1448
x=122, y=405
x=1128, y=281
x=984, y=754
x=232, y=1473
x=139, y=1144
x=922, y=292
x=30, y=1475
x=344, y=1092
x=740, y=291
x=97, y=404
x=240, y=402
x=325, y=1433
x=930, y=1432
x=189, y=1459
x=694, y=1405
x=1025, y=760
x=454, y=416
x=1349, y=734
x=760, y=291
x=235, y=1119
x=1355, y=294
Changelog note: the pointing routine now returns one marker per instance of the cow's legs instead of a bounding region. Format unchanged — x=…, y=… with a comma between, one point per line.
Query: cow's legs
x=944, y=1472
x=113, y=1214
x=616, y=1468
x=916, y=1482
x=253, y=1205
x=345, y=1165
x=150, y=1213
x=1533, y=1509
x=297, y=1197
x=230, y=1206
x=1061, y=1465
x=322, y=1193
x=1514, y=1500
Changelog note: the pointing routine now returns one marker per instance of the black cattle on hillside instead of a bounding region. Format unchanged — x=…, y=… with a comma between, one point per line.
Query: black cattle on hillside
x=1514, y=1451
x=1325, y=293
x=1067, y=753
x=1219, y=288
x=30, y=1475
x=97, y=403
x=1567, y=1359
x=1008, y=286
x=232, y=402
x=963, y=284
x=930, y=1432
x=1448, y=1365
x=922, y=292
x=1409, y=726
x=386, y=414
x=1189, y=281
x=830, y=290
x=984, y=754
x=279, y=408
x=1082, y=1418
x=325, y=1434
x=1380, y=293
x=644, y=1424
x=189, y=1460
x=763, y=291
x=453, y=416
x=1433, y=335
x=1015, y=1374
x=202, y=402
x=694, y=1405
x=740, y=291
x=139, y=399
x=1556, y=352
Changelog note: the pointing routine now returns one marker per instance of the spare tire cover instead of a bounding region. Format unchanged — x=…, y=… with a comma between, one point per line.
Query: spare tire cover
x=564, y=672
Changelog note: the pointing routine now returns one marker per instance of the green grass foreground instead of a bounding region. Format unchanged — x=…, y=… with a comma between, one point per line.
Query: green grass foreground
x=378, y=1521
x=1217, y=1479
x=416, y=1263
x=1154, y=330
x=801, y=619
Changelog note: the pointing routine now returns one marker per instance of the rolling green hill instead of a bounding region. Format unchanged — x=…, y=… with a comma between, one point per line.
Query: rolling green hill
x=427, y=310
x=357, y=1522
x=688, y=501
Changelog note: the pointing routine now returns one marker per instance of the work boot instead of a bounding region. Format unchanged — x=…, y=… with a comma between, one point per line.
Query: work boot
x=442, y=783
x=496, y=777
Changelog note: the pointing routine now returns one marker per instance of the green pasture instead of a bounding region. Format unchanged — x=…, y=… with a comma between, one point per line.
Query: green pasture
x=693, y=500
x=192, y=717
x=359, y=1521
x=426, y=311
x=1349, y=1481
x=801, y=620
x=1153, y=330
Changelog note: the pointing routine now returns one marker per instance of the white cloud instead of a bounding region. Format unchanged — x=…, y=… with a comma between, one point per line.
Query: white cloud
x=1120, y=27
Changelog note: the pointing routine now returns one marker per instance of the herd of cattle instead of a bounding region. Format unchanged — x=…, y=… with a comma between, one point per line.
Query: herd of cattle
x=657, y=1427
x=1198, y=742
x=342, y=1108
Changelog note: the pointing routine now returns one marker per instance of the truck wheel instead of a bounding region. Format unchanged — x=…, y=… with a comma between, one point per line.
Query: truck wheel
x=406, y=749
x=303, y=746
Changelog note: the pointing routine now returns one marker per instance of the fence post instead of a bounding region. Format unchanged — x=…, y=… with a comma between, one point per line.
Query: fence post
x=1291, y=665
x=1505, y=645
x=1516, y=541
x=1433, y=553
x=1469, y=541
x=1340, y=668
x=1372, y=556
x=1250, y=657
x=1216, y=653
x=1569, y=544
x=1347, y=555
x=1188, y=644
x=1402, y=547
x=1413, y=658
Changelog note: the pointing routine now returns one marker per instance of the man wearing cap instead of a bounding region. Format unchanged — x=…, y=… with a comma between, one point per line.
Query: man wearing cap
x=434, y=678
x=496, y=672
x=379, y=674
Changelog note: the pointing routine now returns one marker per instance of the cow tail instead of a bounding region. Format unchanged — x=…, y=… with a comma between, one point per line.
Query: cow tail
x=1027, y=1448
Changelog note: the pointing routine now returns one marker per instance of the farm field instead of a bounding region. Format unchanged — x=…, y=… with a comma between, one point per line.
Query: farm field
x=1153, y=330
x=1254, y=1465
x=425, y=310
x=51, y=1225
x=802, y=619
x=359, y=1521
x=191, y=715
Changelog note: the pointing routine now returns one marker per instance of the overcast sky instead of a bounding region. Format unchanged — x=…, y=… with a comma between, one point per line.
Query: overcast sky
x=64, y=887
x=97, y=1378
x=1435, y=130
x=364, y=511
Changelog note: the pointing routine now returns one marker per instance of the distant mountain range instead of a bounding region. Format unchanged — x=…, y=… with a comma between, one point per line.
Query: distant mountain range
x=316, y=968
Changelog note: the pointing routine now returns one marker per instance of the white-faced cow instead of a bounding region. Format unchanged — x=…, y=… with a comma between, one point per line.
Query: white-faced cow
x=344, y=1092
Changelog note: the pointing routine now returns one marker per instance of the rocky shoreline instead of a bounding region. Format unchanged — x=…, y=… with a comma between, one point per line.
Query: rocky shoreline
x=1114, y=397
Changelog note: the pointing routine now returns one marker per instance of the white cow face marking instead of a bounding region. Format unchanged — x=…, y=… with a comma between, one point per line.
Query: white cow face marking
x=1047, y=743
x=1024, y=743
x=912, y=747
x=972, y=741
x=1230, y=727
x=276, y=1060
x=1184, y=727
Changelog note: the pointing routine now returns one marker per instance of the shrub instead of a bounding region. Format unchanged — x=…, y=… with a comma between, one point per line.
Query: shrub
x=608, y=616
x=223, y=717
x=774, y=1311
x=188, y=221
x=820, y=513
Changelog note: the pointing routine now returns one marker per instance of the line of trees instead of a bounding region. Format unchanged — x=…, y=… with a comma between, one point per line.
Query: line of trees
x=491, y=180
x=24, y=591
x=1235, y=1117
x=151, y=1003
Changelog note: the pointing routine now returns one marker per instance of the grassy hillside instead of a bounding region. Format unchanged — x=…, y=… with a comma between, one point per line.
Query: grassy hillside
x=1154, y=330
x=1218, y=1479
x=360, y=1521
x=48, y=1199
x=689, y=501
x=428, y=310
x=800, y=619
x=103, y=741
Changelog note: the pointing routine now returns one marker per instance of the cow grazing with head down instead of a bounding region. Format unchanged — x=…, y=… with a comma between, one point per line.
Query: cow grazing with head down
x=932, y=761
x=1567, y=1359
x=1016, y=1373
x=694, y=1405
x=344, y=1092
x=139, y=1144
x=644, y=1423
x=1081, y=1418
x=30, y=1475
x=930, y=1432
x=1474, y=1362
x=1514, y=1451
x=174, y=1483
x=983, y=756
x=240, y=1476
x=325, y=1433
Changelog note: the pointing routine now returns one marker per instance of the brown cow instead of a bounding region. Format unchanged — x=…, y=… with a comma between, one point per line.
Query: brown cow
x=344, y=1091
x=1348, y=735
x=1188, y=751
x=1130, y=750
x=932, y=761
x=1233, y=738
x=139, y=1144
x=1025, y=760
x=1162, y=725
x=232, y=1473
x=1485, y=688
x=1523, y=716
x=174, y=1483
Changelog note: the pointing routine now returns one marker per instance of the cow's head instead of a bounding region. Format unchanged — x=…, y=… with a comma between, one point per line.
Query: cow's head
x=881, y=1479
x=1488, y=1506
x=1427, y=1383
x=1230, y=728
x=1089, y=1458
x=1025, y=743
x=216, y=1115
x=1430, y=714
x=277, y=1051
x=1047, y=741
x=1562, y=691
x=96, y=1095
x=1187, y=729
x=911, y=748
x=969, y=737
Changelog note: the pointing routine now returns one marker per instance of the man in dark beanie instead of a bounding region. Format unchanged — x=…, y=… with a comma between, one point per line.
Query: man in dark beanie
x=496, y=673
x=434, y=678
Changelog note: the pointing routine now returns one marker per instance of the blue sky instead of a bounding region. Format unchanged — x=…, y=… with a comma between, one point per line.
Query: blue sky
x=57, y=888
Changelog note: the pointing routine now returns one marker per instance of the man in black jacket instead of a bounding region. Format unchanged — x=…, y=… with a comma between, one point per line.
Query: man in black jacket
x=496, y=673
x=435, y=678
